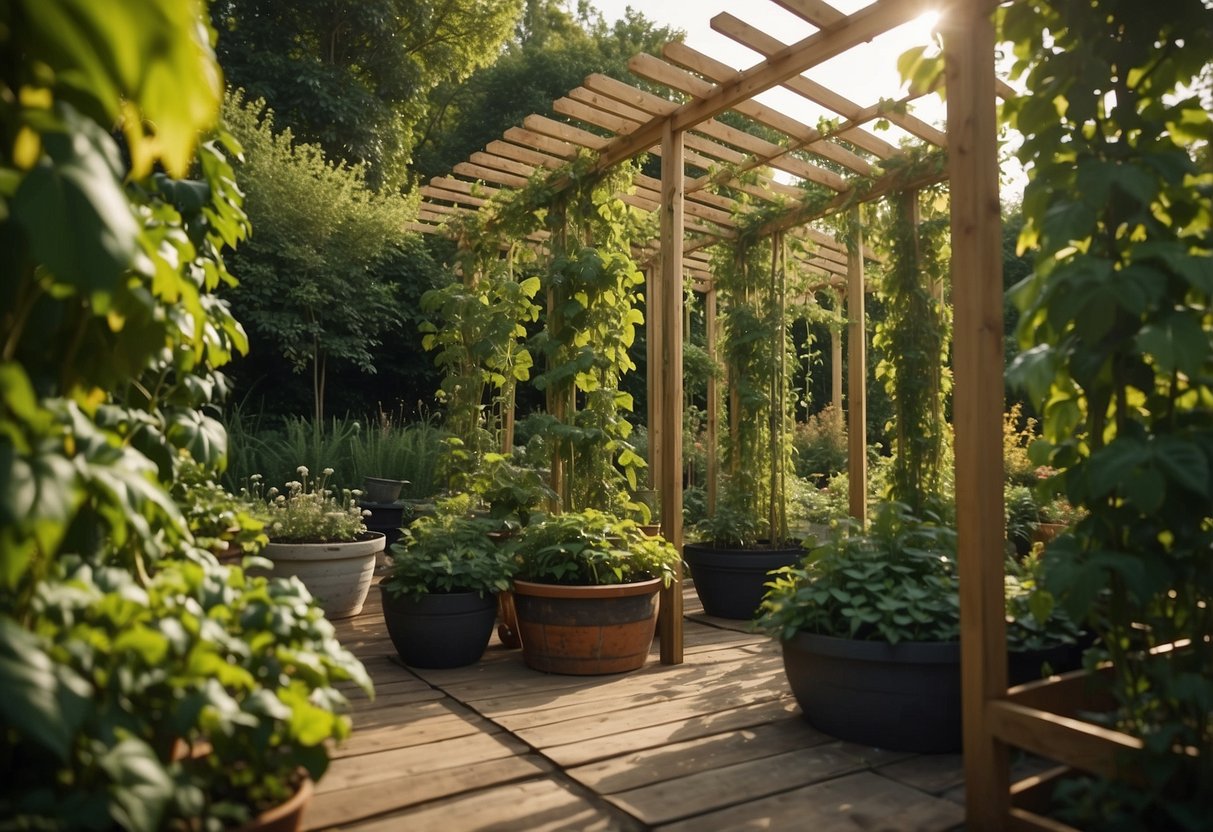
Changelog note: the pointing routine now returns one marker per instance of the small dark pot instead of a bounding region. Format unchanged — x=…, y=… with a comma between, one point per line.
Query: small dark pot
x=439, y=630
x=381, y=489
x=387, y=518
x=731, y=582
x=903, y=697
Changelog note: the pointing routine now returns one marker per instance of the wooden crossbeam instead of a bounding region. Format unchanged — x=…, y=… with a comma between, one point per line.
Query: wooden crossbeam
x=526, y=155
x=820, y=14
x=767, y=45
x=568, y=133
x=489, y=175
x=452, y=196
x=547, y=144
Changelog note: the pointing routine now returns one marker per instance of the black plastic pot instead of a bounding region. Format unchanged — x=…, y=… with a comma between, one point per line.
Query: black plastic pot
x=903, y=697
x=440, y=630
x=731, y=582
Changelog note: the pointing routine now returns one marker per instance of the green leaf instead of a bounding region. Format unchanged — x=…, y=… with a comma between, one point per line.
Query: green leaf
x=46, y=701
x=142, y=787
x=1184, y=462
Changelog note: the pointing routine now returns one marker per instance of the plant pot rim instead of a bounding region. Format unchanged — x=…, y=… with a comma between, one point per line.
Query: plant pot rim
x=368, y=543
x=392, y=480
x=927, y=652
x=760, y=548
x=274, y=815
x=582, y=590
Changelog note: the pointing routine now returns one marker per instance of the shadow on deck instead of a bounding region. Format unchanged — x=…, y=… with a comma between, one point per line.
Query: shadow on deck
x=716, y=743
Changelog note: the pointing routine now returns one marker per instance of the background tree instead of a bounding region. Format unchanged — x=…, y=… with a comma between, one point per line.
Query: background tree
x=311, y=286
x=352, y=75
x=551, y=52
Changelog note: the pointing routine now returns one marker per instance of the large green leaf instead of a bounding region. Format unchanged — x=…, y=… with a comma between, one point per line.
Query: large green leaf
x=45, y=701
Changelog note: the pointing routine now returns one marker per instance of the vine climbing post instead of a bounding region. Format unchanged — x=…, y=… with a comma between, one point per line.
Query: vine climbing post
x=713, y=414
x=836, y=369
x=857, y=373
x=978, y=402
x=670, y=328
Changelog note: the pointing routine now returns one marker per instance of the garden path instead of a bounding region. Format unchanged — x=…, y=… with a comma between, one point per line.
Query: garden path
x=716, y=743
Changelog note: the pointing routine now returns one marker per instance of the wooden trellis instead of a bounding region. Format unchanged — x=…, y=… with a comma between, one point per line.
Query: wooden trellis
x=618, y=121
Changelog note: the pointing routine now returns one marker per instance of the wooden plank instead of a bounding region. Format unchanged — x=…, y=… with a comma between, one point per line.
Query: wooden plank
x=669, y=331
x=658, y=736
x=564, y=132
x=534, y=805
x=416, y=724
x=489, y=175
x=820, y=14
x=857, y=377
x=767, y=45
x=593, y=116
x=1071, y=741
x=452, y=196
x=977, y=400
x=529, y=138
x=863, y=26
x=679, y=759
x=450, y=183
x=745, y=782
x=857, y=801
x=639, y=99
x=492, y=160
x=399, y=790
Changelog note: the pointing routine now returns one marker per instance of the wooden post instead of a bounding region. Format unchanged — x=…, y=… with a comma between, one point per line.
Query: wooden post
x=857, y=376
x=977, y=399
x=836, y=370
x=653, y=351
x=713, y=414
x=670, y=328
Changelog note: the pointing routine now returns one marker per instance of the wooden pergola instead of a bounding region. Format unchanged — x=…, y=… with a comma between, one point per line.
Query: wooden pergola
x=683, y=128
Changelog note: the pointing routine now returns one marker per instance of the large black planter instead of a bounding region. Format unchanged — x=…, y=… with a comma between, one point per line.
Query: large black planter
x=903, y=697
x=441, y=629
x=731, y=582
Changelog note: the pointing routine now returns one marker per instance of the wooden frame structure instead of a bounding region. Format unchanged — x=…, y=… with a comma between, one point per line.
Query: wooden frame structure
x=700, y=152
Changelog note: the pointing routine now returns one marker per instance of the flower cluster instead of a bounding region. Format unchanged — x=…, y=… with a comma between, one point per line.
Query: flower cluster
x=308, y=512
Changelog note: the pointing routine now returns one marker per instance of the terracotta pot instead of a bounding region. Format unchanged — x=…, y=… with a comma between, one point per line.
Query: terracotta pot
x=285, y=817
x=1045, y=532
x=586, y=630
x=337, y=574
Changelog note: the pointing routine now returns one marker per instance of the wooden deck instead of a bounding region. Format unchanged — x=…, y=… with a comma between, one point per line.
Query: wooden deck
x=716, y=743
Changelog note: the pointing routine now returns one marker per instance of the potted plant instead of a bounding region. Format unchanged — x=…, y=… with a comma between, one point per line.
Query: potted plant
x=586, y=592
x=321, y=538
x=221, y=522
x=747, y=537
x=192, y=676
x=869, y=625
x=439, y=597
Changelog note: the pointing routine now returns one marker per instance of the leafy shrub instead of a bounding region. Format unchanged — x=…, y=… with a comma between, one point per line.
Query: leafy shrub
x=821, y=446
x=309, y=512
x=1023, y=515
x=1020, y=470
x=449, y=551
x=591, y=548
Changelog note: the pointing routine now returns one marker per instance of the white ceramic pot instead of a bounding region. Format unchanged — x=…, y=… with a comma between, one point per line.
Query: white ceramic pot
x=337, y=574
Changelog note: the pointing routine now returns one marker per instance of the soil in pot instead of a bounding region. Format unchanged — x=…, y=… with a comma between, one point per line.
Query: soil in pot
x=732, y=582
x=586, y=630
x=440, y=630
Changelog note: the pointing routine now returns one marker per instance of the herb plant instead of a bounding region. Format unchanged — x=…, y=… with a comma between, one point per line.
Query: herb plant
x=591, y=548
x=449, y=551
x=308, y=512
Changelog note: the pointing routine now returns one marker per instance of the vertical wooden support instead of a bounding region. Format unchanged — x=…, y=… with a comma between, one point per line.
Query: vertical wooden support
x=713, y=414
x=670, y=327
x=857, y=375
x=836, y=370
x=653, y=351
x=977, y=399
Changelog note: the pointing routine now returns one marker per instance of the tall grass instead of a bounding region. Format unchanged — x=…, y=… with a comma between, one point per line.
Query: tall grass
x=384, y=447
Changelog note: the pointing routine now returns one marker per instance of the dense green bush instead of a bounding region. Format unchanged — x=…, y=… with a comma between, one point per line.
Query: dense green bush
x=821, y=446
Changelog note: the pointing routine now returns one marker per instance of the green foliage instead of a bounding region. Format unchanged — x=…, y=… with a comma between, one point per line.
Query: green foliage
x=450, y=551
x=895, y=582
x=310, y=287
x=821, y=446
x=914, y=339
x=219, y=520
x=382, y=447
x=198, y=654
x=1023, y=516
x=1018, y=434
x=550, y=53
x=352, y=76
x=591, y=548
x=1118, y=360
x=513, y=491
x=308, y=511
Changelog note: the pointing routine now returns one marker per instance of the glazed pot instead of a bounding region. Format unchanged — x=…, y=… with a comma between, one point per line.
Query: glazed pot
x=440, y=629
x=732, y=582
x=586, y=630
x=337, y=574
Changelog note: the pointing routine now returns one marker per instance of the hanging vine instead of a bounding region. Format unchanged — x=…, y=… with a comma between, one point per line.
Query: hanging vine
x=914, y=341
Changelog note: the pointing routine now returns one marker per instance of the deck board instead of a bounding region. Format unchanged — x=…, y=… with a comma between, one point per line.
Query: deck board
x=716, y=743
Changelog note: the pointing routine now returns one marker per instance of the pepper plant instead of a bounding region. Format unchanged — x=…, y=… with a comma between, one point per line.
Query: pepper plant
x=1117, y=333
